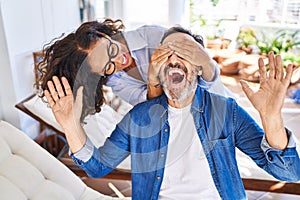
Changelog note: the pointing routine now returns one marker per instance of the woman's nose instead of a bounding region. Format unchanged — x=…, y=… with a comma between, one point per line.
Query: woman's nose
x=117, y=59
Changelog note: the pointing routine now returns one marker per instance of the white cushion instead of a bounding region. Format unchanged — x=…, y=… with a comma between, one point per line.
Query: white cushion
x=98, y=126
x=27, y=171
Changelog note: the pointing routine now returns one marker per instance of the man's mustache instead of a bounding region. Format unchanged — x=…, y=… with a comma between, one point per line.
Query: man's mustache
x=176, y=65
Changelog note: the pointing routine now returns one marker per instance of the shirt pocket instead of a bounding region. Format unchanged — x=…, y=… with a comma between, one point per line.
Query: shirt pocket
x=223, y=153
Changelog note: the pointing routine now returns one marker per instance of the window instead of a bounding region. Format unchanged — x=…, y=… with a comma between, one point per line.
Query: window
x=281, y=12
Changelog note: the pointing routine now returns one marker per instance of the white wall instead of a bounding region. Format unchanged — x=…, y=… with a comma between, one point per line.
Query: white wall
x=179, y=12
x=135, y=13
x=25, y=26
x=7, y=92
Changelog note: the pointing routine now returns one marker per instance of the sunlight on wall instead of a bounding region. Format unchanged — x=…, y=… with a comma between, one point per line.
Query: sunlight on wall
x=137, y=12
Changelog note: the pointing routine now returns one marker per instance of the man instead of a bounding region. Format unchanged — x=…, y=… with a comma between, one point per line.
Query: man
x=182, y=143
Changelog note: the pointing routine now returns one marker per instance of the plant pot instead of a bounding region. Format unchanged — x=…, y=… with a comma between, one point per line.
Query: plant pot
x=250, y=73
x=296, y=76
x=247, y=50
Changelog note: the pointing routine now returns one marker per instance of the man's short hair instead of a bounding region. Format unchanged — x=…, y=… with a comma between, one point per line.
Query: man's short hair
x=179, y=29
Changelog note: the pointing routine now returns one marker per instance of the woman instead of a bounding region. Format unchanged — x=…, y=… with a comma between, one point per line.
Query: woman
x=100, y=53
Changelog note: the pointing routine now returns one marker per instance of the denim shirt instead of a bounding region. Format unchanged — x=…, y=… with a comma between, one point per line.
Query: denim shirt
x=221, y=125
x=142, y=42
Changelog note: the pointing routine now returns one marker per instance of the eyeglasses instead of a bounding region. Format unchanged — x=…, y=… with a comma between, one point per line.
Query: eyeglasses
x=112, y=52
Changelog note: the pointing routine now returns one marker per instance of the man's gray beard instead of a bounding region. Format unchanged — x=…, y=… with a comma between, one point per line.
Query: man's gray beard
x=182, y=94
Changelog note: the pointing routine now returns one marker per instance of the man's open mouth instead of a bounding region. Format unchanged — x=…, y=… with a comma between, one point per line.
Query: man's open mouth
x=175, y=74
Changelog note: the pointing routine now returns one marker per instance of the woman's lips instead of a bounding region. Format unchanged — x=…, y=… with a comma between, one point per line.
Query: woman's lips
x=125, y=59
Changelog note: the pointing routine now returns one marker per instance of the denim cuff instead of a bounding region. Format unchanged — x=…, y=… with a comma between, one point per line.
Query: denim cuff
x=85, y=152
x=291, y=142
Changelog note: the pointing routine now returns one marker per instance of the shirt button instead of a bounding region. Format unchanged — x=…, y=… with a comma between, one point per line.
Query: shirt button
x=166, y=130
x=158, y=177
x=270, y=158
x=162, y=155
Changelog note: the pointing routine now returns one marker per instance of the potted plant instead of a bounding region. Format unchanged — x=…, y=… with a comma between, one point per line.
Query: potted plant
x=281, y=41
x=246, y=39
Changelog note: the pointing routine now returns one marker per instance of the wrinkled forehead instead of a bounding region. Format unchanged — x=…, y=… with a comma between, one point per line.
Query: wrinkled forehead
x=177, y=36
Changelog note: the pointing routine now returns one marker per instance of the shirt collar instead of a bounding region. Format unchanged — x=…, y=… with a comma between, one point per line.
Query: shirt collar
x=136, y=41
x=199, y=99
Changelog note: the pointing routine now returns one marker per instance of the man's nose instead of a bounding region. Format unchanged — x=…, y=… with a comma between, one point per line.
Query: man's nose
x=173, y=58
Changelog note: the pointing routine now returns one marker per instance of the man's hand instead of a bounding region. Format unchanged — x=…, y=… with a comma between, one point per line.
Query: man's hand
x=67, y=112
x=269, y=99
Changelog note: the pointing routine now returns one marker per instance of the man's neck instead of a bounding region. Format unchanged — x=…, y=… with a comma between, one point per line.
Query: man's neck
x=181, y=104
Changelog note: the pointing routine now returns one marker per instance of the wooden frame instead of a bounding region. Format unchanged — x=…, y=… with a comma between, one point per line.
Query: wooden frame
x=37, y=56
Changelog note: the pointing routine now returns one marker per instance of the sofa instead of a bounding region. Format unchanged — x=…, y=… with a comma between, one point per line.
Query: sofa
x=27, y=171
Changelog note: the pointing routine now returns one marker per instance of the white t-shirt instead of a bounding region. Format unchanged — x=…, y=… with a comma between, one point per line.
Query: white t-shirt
x=187, y=174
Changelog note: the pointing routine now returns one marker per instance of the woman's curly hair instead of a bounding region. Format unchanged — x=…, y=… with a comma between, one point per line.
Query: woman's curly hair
x=68, y=57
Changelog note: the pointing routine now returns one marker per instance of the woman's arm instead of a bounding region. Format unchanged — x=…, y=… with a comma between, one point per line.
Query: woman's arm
x=67, y=111
x=158, y=58
x=196, y=54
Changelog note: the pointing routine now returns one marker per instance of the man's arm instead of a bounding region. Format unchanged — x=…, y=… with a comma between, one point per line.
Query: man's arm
x=268, y=100
x=250, y=139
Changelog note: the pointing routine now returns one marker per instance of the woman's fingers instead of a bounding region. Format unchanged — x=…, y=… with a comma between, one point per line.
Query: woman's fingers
x=49, y=98
x=185, y=45
x=164, y=57
x=66, y=85
x=183, y=50
x=161, y=53
x=160, y=56
x=52, y=91
x=56, y=90
x=58, y=87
